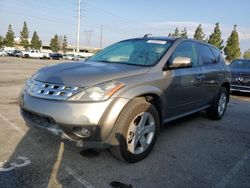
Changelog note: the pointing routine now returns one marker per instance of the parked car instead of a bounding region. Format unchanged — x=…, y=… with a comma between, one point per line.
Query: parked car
x=18, y=54
x=120, y=97
x=240, y=72
x=56, y=56
x=33, y=54
x=69, y=56
x=3, y=53
x=15, y=53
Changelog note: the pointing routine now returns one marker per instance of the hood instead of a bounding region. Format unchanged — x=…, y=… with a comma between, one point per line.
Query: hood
x=86, y=73
x=240, y=72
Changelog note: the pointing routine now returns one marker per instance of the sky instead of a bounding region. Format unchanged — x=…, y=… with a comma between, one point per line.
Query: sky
x=124, y=19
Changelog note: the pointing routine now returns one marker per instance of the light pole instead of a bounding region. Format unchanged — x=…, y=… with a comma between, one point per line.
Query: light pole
x=78, y=26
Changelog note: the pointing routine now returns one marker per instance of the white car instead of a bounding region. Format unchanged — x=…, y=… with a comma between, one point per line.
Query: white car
x=69, y=56
x=3, y=53
x=33, y=54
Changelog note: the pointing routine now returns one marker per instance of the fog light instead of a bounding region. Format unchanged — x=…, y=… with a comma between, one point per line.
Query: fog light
x=85, y=132
x=81, y=132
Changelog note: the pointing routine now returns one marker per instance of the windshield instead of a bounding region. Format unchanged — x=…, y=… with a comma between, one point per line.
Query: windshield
x=143, y=52
x=243, y=64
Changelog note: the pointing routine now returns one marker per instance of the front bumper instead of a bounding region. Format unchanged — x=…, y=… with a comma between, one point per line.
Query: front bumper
x=240, y=88
x=64, y=118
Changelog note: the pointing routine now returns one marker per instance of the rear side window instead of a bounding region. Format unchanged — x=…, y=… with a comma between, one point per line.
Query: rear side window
x=186, y=49
x=216, y=53
x=207, y=57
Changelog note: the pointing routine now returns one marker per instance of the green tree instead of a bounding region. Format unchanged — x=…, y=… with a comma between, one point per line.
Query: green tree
x=64, y=44
x=176, y=32
x=246, y=54
x=1, y=41
x=36, y=43
x=232, y=49
x=215, y=37
x=24, y=36
x=198, y=34
x=9, y=38
x=184, y=33
x=54, y=44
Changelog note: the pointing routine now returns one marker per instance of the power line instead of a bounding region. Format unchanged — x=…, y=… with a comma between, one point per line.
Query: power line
x=40, y=9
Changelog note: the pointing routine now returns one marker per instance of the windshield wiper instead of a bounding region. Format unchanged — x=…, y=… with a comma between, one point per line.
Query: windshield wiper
x=140, y=65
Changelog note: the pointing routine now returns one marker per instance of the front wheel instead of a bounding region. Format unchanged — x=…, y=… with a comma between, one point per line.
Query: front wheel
x=26, y=56
x=139, y=122
x=217, y=110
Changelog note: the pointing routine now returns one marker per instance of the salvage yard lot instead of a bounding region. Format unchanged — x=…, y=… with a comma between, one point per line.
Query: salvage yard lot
x=192, y=152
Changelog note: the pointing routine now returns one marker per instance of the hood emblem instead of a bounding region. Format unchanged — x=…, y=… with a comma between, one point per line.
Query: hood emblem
x=239, y=79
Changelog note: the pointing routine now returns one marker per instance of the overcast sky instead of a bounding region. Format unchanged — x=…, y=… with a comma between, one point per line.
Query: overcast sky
x=124, y=19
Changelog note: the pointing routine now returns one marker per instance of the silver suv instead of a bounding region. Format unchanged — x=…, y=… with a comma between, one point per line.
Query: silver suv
x=120, y=97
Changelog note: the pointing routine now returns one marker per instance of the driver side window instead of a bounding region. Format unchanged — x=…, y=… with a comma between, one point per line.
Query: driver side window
x=186, y=49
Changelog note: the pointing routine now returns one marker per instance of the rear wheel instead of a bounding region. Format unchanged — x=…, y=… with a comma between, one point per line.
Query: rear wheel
x=217, y=110
x=139, y=122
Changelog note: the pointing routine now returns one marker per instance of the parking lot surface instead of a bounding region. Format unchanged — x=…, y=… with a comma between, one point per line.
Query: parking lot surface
x=191, y=152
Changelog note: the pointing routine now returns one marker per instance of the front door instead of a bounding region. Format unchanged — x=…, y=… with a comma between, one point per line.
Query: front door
x=184, y=89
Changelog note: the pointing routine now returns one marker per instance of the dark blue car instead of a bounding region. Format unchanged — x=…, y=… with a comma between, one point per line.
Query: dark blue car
x=56, y=56
x=240, y=75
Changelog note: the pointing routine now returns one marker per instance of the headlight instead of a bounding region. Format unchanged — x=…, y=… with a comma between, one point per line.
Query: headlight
x=99, y=92
x=28, y=85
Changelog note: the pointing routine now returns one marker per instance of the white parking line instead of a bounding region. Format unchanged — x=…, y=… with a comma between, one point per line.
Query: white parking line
x=13, y=125
x=14, y=165
x=226, y=179
x=67, y=168
x=78, y=177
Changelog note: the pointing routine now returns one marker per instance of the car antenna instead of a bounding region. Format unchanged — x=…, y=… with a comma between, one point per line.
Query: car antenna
x=146, y=35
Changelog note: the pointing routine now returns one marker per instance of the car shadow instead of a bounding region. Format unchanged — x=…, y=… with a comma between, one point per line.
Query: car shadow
x=242, y=94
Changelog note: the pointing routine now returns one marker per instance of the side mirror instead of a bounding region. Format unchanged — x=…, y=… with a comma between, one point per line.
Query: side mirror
x=179, y=62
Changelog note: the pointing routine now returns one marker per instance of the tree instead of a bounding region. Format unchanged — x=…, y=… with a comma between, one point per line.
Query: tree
x=9, y=38
x=198, y=34
x=64, y=44
x=232, y=49
x=215, y=37
x=176, y=32
x=36, y=43
x=184, y=33
x=24, y=36
x=54, y=44
x=247, y=54
x=1, y=41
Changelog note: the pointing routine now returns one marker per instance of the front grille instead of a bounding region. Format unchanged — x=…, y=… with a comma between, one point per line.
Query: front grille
x=50, y=91
x=37, y=119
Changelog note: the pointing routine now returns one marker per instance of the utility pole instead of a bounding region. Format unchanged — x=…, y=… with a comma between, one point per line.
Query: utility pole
x=101, y=37
x=78, y=26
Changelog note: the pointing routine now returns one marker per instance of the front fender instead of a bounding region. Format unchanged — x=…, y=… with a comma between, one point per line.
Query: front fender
x=131, y=93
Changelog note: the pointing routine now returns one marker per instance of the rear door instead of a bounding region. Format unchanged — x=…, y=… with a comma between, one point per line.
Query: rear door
x=211, y=69
x=184, y=92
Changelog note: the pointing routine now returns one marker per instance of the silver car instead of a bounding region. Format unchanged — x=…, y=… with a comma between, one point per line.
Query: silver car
x=119, y=98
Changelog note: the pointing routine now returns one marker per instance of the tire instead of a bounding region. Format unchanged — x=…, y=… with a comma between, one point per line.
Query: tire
x=217, y=110
x=133, y=131
x=26, y=56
